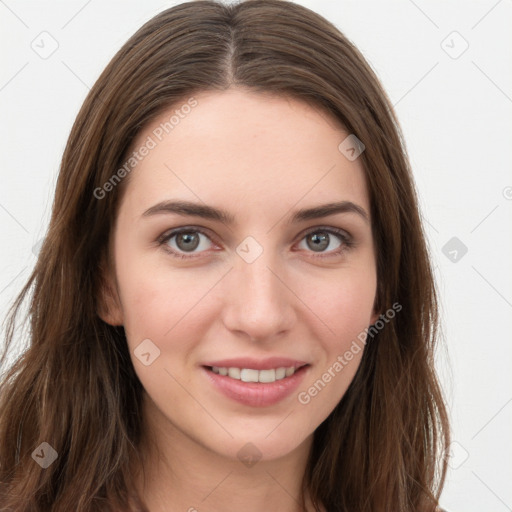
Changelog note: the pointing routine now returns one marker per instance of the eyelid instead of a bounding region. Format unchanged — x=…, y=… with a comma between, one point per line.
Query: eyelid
x=343, y=233
x=165, y=237
x=183, y=229
x=345, y=237
x=347, y=241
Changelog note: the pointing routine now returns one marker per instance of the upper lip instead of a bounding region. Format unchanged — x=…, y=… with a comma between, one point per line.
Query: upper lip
x=256, y=364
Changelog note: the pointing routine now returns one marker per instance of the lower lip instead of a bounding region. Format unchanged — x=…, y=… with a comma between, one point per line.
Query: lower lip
x=256, y=394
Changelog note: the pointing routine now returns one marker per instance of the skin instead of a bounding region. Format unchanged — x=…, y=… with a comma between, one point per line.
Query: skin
x=260, y=157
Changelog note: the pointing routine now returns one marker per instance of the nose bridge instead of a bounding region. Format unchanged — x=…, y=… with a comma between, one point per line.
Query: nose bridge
x=258, y=281
x=257, y=302
x=255, y=259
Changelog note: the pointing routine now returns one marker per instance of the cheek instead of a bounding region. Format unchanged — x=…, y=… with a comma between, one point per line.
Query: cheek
x=155, y=323
x=344, y=307
x=343, y=303
x=147, y=296
x=143, y=302
x=164, y=305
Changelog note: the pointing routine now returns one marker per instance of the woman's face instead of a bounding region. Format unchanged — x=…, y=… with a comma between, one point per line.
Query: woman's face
x=263, y=284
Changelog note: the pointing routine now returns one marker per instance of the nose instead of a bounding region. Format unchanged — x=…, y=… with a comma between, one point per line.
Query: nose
x=258, y=301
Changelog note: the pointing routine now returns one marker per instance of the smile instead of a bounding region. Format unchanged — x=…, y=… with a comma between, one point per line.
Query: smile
x=251, y=375
x=256, y=388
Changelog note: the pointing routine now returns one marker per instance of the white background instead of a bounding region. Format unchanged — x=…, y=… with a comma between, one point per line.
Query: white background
x=456, y=118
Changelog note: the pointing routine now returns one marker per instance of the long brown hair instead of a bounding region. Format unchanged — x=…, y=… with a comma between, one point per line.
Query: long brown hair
x=74, y=387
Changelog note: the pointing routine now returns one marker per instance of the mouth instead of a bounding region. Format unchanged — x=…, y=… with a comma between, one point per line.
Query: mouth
x=257, y=376
x=256, y=388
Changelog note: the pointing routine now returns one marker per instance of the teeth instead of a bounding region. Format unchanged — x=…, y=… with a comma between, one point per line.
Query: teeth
x=289, y=371
x=263, y=375
x=250, y=375
x=280, y=373
x=234, y=373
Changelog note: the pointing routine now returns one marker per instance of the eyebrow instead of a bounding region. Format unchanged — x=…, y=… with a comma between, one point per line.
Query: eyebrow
x=187, y=208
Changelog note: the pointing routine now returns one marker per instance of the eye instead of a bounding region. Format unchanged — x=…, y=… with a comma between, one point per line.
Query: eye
x=183, y=242
x=321, y=238
x=186, y=241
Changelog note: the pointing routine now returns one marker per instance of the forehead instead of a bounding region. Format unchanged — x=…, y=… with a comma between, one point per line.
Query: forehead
x=241, y=148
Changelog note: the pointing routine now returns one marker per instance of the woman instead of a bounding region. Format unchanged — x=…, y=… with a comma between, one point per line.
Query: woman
x=284, y=359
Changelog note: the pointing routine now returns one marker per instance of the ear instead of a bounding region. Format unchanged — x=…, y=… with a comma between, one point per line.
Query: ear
x=376, y=310
x=109, y=305
x=375, y=317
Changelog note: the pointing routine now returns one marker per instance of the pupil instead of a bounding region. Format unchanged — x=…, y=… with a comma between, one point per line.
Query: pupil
x=320, y=242
x=191, y=240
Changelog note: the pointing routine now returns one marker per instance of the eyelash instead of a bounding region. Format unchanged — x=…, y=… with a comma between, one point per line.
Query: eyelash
x=346, y=240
